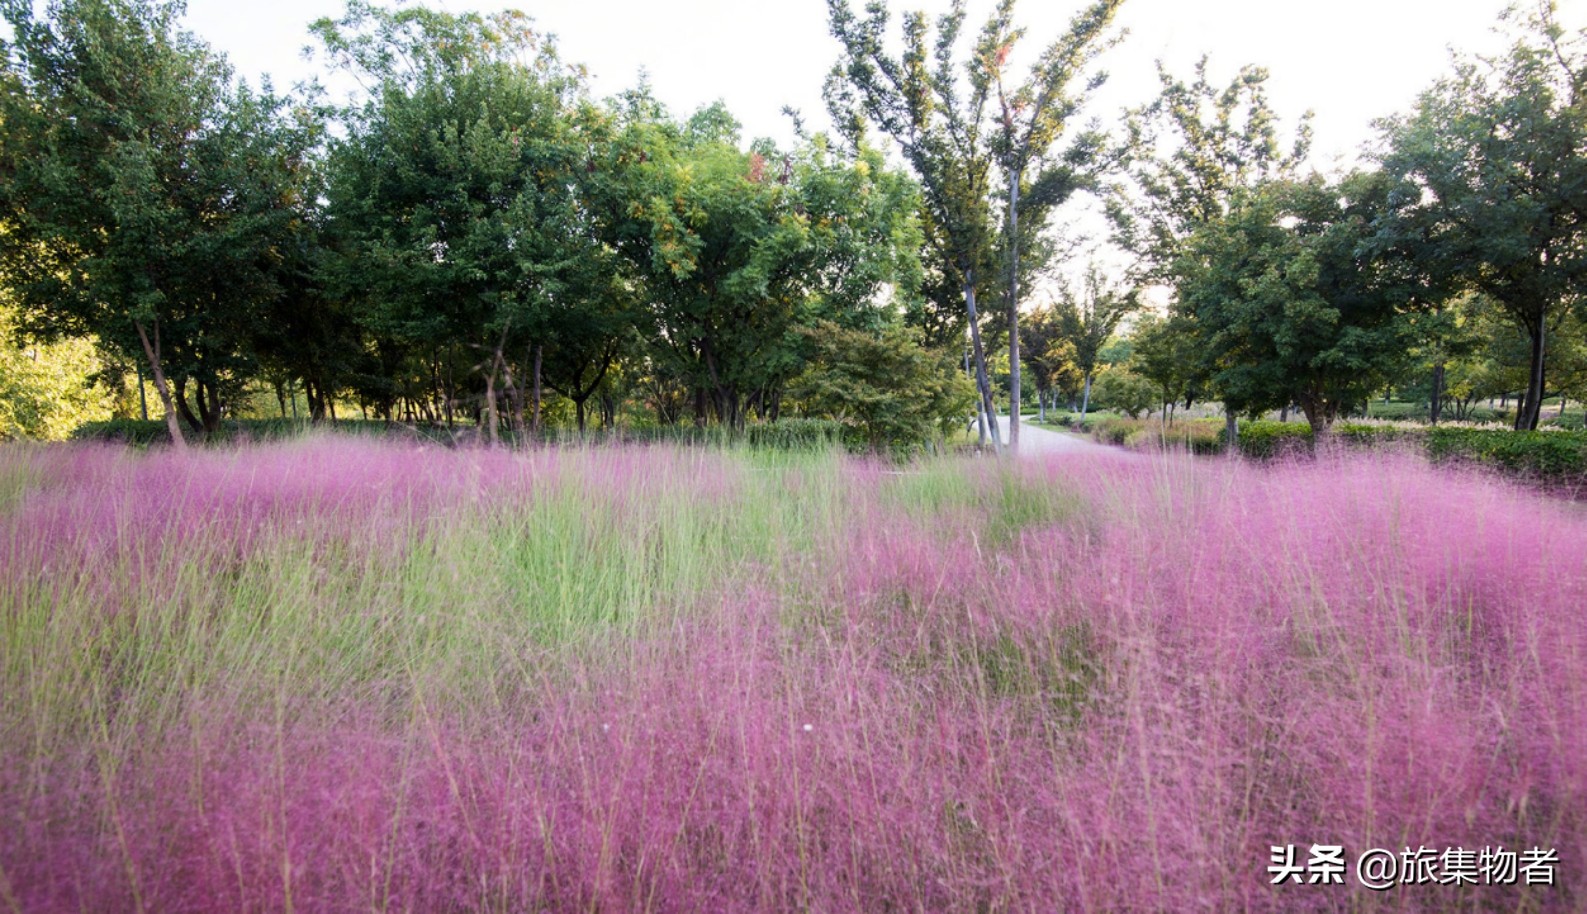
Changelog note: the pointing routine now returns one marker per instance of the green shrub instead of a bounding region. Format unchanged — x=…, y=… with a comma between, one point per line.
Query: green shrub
x=802, y=434
x=1547, y=455
x=1271, y=439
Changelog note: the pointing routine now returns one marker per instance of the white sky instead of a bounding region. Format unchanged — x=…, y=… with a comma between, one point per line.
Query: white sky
x=1348, y=60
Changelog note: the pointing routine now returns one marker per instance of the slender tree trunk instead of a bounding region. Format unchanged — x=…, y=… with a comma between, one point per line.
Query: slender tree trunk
x=151, y=351
x=515, y=398
x=1435, y=408
x=538, y=396
x=1561, y=413
x=143, y=396
x=980, y=408
x=980, y=363
x=446, y=400
x=1231, y=428
x=1013, y=312
x=206, y=414
x=1531, y=408
x=1085, y=398
x=491, y=418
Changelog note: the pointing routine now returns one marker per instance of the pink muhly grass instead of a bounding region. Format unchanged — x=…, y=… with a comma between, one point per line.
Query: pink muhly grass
x=1088, y=684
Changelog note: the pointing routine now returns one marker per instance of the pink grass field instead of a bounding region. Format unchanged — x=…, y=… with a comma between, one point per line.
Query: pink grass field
x=354, y=676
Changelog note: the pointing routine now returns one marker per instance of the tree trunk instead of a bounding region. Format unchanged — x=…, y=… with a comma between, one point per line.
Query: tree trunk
x=515, y=397
x=535, y=419
x=184, y=409
x=151, y=351
x=449, y=392
x=1231, y=428
x=215, y=412
x=491, y=418
x=143, y=396
x=1435, y=409
x=980, y=363
x=1531, y=408
x=1013, y=312
x=1085, y=399
x=980, y=408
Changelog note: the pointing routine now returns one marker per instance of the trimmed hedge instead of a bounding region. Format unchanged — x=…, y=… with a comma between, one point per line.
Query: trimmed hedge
x=1543, y=455
x=1547, y=455
x=1271, y=439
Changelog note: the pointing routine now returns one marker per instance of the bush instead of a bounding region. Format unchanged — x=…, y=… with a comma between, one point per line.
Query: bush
x=1271, y=439
x=887, y=391
x=802, y=434
x=1552, y=455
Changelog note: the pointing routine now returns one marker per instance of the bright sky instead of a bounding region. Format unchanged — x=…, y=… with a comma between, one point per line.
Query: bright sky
x=1348, y=60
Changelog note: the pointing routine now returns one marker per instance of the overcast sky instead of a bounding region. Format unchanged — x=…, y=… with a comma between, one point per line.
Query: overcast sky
x=1349, y=61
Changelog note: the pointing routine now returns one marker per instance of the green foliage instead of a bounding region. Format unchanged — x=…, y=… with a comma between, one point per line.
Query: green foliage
x=1261, y=438
x=738, y=249
x=1053, y=359
x=1220, y=143
x=1166, y=352
x=143, y=192
x=1546, y=455
x=1121, y=389
x=1491, y=183
x=1088, y=316
x=886, y=390
x=1551, y=456
x=1288, y=310
x=1199, y=436
x=47, y=389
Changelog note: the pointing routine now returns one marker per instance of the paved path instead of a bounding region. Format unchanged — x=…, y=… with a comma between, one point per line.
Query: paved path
x=1035, y=441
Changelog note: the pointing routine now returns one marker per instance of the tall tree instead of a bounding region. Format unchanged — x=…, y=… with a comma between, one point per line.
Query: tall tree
x=1166, y=353
x=1051, y=357
x=144, y=195
x=454, y=197
x=737, y=248
x=939, y=122
x=1493, y=165
x=1189, y=153
x=1290, y=308
x=1088, y=316
x=1031, y=118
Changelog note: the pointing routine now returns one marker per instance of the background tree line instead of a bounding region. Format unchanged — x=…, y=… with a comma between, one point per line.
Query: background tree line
x=477, y=233
x=479, y=240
